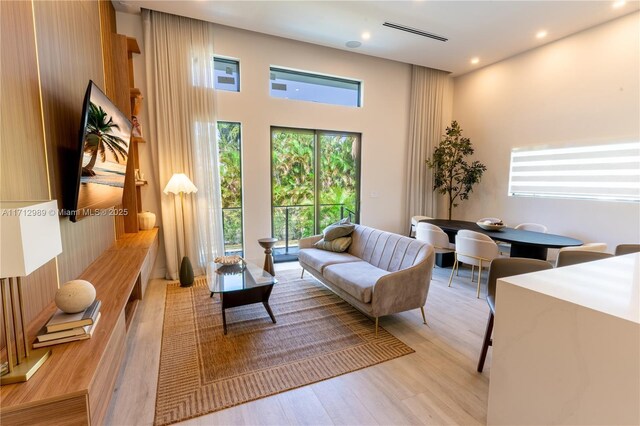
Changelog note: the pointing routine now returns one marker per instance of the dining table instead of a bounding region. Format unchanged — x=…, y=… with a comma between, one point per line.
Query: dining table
x=529, y=244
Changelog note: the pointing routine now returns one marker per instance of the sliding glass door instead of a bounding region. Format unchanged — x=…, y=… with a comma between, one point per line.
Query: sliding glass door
x=315, y=181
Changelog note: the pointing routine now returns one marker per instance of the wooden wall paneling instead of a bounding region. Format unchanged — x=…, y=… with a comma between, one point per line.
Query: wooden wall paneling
x=23, y=171
x=23, y=167
x=82, y=243
x=69, y=46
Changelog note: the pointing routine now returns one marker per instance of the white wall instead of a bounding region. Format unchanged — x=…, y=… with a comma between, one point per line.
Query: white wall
x=583, y=89
x=382, y=121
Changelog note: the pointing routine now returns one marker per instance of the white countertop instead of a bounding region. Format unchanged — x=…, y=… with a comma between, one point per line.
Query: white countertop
x=611, y=286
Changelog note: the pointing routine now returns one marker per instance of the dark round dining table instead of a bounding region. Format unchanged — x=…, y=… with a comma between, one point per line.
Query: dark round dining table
x=529, y=244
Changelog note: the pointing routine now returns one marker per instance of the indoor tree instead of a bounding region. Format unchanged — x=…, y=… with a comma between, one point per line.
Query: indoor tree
x=453, y=175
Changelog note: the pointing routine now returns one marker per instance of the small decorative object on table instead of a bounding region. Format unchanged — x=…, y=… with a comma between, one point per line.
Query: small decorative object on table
x=492, y=224
x=228, y=260
x=146, y=220
x=75, y=296
x=267, y=244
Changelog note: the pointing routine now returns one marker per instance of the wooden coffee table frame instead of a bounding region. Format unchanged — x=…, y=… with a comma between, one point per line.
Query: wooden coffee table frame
x=243, y=297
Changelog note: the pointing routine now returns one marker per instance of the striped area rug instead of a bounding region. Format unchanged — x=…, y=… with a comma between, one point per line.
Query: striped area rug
x=317, y=336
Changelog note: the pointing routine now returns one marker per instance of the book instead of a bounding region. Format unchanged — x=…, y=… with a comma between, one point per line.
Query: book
x=88, y=332
x=43, y=336
x=62, y=321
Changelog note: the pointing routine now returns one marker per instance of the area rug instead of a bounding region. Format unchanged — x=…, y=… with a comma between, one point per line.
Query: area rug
x=317, y=336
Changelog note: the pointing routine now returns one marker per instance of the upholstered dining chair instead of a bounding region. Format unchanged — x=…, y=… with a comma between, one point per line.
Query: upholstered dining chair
x=473, y=248
x=601, y=247
x=500, y=268
x=414, y=224
x=435, y=236
x=573, y=257
x=505, y=248
x=627, y=249
x=535, y=227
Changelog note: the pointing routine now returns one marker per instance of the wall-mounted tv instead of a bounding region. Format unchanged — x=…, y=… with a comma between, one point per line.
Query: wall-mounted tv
x=103, y=150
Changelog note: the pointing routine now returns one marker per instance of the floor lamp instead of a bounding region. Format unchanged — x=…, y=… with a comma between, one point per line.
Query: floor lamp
x=30, y=237
x=179, y=184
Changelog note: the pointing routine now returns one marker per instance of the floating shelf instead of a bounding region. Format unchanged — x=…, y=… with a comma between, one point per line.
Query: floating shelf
x=132, y=45
x=135, y=92
x=137, y=139
x=141, y=182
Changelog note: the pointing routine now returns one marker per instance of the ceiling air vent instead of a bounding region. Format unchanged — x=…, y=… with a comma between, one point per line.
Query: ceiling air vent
x=415, y=31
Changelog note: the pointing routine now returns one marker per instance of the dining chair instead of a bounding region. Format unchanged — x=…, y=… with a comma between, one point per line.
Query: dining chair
x=473, y=248
x=535, y=227
x=573, y=257
x=505, y=248
x=414, y=223
x=627, y=249
x=600, y=247
x=435, y=236
x=500, y=268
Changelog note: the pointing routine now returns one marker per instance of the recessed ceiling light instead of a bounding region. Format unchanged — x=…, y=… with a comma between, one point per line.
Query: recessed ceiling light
x=353, y=44
x=541, y=34
x=618, y=4
x=475, y=60
x=366, y=35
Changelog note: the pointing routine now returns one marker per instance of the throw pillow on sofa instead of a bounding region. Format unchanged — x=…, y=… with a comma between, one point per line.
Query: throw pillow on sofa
x=337, y=245
x=340, y=229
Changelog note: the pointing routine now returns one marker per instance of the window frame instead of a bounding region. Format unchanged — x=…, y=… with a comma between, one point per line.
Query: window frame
x=228, y=60
x=360, y=83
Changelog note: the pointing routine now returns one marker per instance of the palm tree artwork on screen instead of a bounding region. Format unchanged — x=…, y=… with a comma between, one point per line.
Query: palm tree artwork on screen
x=100, y=139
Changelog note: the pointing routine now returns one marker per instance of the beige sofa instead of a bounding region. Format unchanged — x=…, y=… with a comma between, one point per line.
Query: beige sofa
x=380, y=274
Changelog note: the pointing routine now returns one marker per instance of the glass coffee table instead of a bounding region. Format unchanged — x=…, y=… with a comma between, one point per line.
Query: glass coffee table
x=239, y=285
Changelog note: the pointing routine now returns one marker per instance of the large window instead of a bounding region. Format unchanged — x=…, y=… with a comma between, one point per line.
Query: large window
x=601, y=172
x=315, y=181
x=305, y=86
x=230, y=164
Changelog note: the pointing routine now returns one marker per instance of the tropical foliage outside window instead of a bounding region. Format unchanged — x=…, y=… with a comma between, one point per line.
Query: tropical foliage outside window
x=315, y=181
x=230, y=165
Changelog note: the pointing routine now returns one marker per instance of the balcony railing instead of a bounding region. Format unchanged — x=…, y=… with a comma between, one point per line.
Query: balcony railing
x=292, y=222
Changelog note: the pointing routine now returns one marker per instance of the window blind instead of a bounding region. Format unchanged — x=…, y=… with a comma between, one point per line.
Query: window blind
x=603, y=172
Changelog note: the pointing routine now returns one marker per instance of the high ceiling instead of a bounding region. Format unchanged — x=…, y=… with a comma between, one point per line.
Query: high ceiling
x=487, y=30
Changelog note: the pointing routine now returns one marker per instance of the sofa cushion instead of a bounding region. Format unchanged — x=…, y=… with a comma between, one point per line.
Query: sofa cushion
x=318, y=259
x=355, y=278
x=338, y=230
x=338, y=245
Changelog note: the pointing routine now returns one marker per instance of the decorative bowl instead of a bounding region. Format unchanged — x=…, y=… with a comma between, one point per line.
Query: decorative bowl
x=490, y=226
x=228, y=260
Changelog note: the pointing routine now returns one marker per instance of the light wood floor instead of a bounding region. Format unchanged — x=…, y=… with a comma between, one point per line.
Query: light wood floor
x=438, y=384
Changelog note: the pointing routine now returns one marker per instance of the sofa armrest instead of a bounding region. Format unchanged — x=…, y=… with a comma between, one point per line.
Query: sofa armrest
x=403, y=290
x=309, y=241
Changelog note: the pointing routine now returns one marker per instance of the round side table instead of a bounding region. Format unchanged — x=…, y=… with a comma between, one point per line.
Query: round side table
x=267, y=244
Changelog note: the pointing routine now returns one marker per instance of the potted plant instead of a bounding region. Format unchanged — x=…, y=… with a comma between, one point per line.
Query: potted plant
x=452, y=174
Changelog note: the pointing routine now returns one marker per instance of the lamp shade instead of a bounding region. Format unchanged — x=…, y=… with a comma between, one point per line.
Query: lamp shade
x=29, y=236
x=178, y=183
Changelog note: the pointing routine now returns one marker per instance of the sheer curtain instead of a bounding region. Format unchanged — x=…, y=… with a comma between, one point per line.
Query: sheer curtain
x=182, y=134
x=430, y=90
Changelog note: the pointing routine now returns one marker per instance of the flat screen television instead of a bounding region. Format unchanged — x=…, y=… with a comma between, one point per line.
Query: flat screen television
x=103, y=151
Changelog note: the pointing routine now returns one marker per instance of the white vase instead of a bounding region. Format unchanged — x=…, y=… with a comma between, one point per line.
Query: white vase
x=146, y=220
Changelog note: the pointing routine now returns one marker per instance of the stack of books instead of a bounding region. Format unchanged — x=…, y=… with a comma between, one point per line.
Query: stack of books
x=63, y=328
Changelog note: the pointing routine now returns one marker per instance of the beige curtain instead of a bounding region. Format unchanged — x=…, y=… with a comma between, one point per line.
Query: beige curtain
x=182, y=134
x=430, y=92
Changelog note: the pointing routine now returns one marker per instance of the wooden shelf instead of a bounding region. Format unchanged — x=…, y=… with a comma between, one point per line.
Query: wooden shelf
x=135, y=92
x=138, y=139
x=132, y=45
x=77, y=380
x=141, y=182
